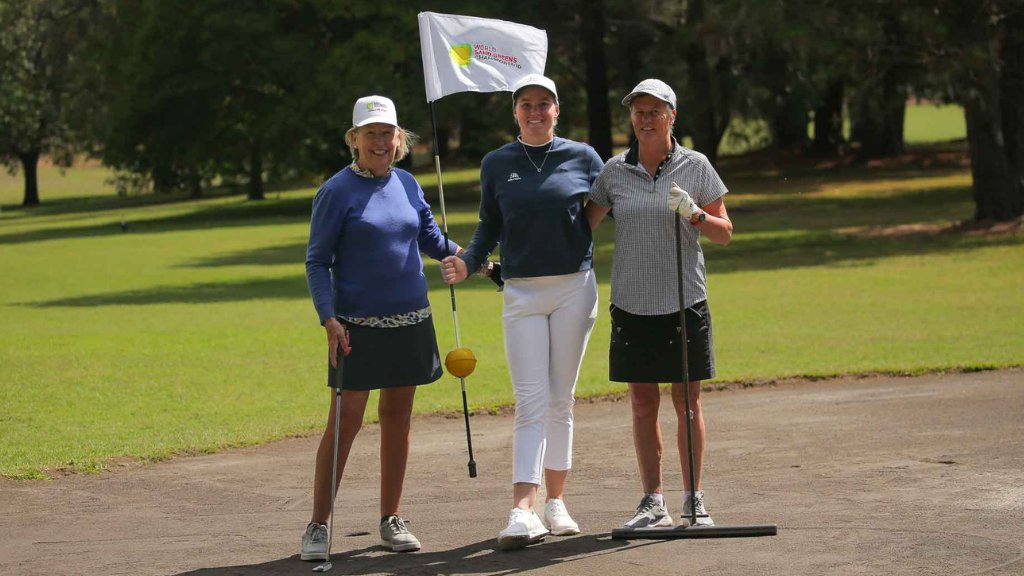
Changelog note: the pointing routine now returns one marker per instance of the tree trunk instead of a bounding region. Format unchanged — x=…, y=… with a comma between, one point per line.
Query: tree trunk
x=29, y=165
x=195, y=183
x=632, y=54
x=880, y=119
x=789, y=126
x=163, y=179
x=1011, y=87
x=707, y=123
x=990, y=171
x=787, y=111
x=882, y=107
x=828, y=121
x=599, y=116
x=255, y=172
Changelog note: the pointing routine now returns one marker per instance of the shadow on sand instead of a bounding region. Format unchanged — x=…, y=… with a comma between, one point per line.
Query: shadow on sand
x=477, y=558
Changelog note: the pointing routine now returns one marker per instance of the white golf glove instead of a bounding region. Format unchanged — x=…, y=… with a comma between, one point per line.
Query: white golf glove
x=679, y=201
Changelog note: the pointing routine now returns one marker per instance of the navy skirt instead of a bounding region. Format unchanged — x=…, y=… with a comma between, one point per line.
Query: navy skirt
x=388, y=357
x=649, y=348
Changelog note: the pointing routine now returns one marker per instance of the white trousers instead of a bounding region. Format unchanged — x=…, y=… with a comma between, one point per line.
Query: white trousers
x=547, y=322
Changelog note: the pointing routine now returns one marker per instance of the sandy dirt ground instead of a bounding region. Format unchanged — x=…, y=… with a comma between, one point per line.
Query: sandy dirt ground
x=876, y=475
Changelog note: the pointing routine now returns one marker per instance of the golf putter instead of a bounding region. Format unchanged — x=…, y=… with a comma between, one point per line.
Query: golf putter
x=338, y=380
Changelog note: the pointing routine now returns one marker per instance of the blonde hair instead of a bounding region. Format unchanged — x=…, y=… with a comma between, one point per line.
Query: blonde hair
x=407, y=139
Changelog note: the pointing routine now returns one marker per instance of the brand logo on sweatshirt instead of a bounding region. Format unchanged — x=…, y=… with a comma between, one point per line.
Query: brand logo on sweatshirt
x=513, y=177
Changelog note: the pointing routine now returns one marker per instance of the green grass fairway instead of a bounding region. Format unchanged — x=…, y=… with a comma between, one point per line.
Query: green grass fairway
x=191, y=330
x=934, y=123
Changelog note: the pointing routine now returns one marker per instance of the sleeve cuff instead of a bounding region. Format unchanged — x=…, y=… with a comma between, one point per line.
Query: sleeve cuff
x=472, y=265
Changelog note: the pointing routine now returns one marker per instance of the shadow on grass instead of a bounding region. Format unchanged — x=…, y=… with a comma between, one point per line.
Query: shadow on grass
x=285, y=211
x=809, y=181
x=291, y=254
x=286, y=288
x=455, y=193
x=823, y=248
x=476, y=558
x=762, y=171
x=291, y=287
x=826, y=213
x=205, y=217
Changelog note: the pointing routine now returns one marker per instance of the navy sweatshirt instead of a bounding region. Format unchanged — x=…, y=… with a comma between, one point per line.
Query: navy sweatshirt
x=365, y=239
x=537, y=217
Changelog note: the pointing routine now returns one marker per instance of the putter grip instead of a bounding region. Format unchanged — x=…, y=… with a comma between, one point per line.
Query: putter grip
x=472, y=469
x=339, y=374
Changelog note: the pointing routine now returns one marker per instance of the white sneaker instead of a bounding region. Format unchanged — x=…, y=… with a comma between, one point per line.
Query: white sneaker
x=649, y=514
x=395, y=535
x=524, y=527
x=557, y=519
x=703, y=518
x=314, y=542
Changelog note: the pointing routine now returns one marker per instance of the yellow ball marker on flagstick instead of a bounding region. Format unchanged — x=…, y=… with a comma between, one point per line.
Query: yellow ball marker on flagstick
x=460, y=362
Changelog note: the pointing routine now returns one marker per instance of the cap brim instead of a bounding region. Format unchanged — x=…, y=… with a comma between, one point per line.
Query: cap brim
x=376, y=121
x=521, y=88
x=629, y=98
x=633, y=96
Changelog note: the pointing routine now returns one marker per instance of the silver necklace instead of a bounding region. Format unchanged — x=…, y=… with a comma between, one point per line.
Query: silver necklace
x=527, y=152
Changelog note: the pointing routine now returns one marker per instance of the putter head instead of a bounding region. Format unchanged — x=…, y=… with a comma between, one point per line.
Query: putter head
x=323, y=567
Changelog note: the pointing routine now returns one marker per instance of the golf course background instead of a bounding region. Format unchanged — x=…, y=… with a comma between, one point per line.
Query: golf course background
x=144, y=327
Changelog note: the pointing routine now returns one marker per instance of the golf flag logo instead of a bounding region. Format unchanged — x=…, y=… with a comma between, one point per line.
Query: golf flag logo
x=469, y=54
x=461, y=54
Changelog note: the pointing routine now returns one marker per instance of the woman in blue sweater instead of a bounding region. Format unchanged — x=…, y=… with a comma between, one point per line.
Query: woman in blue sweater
x=363, y=266
x=532, y=195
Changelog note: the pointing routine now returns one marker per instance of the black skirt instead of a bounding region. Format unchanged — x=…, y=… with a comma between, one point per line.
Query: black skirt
x=649, y=348
x=389, y=357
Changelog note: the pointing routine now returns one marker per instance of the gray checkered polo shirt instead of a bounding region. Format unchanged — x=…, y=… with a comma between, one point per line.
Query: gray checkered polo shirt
x=644, y=272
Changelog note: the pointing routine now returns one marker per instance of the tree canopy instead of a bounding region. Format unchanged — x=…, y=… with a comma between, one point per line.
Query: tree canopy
x=183, y=96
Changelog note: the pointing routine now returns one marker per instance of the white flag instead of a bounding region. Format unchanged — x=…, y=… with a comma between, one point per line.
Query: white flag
x=468, y=54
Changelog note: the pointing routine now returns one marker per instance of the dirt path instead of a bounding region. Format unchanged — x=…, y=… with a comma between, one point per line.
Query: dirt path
x=863, y=476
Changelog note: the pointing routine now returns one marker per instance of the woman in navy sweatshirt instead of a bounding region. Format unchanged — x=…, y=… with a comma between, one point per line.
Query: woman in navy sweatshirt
x=365, y=274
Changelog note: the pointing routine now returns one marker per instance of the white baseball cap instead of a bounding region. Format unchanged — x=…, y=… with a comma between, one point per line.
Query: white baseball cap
x=370, y=109
x=652, y=87
x=534, y=80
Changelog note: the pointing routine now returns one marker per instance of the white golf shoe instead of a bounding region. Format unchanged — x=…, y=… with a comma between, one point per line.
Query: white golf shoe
x=703, y=518
x=649, y=514
x=524, y=528
x=314, y=542
x=558, y=520
x=394, y=534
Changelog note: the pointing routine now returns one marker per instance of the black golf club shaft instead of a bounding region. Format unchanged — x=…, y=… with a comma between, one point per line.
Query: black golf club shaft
x=469, y=439
x=686, y=369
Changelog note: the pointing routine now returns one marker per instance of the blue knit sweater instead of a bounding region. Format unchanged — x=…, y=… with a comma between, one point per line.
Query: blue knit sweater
x=537, y=217
x=365, y=239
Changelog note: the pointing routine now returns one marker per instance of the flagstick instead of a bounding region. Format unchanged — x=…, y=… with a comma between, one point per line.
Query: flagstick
x=451, y=287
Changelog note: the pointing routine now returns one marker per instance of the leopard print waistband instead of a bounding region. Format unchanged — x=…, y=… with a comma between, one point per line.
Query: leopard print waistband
x=395, y=321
